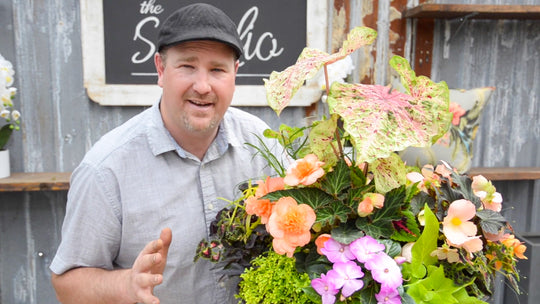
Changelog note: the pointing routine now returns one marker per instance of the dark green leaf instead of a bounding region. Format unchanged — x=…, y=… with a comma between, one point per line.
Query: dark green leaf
x=333, y=214
x=491, y=221
x=382, y=228
x=313, y=197
x=337, y=180
x=345, y=233
x=5, y=133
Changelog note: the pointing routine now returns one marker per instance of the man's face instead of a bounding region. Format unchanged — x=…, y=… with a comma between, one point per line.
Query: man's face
x=198, y=80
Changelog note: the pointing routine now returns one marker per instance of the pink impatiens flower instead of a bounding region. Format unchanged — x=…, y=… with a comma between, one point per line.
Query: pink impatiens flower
x=457, y=226
x=326, y=288
x=304, y=171
x=337, y=252
x=347, y=277
x=365, y=248
x=388, y=296
x=385, y=270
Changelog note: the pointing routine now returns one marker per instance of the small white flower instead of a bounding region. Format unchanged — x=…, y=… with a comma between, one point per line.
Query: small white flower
x=15, y=115
x=4, y=114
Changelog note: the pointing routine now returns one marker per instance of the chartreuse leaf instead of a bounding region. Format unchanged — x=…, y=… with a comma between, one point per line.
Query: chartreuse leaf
x=424, y=246
x=282, y=86
x=381, y=121
x=435, y=288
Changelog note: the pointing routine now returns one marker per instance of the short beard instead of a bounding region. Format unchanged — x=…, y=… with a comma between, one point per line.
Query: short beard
x=190, y=127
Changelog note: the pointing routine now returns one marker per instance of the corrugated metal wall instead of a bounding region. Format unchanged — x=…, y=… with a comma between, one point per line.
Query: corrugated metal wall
x=42, y=39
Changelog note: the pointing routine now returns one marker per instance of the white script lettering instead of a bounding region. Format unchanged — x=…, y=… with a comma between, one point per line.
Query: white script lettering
x=148, y=7
x=249, y=18
x=138, y=35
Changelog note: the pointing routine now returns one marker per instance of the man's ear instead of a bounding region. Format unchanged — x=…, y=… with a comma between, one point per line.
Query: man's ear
x=160, y=66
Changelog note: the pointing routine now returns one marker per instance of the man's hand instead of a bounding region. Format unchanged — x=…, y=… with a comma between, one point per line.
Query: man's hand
x=100, y=286
x=147, y=271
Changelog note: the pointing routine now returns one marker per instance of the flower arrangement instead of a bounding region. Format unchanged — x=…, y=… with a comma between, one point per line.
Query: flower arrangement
x=346, y=220
x=7, y=94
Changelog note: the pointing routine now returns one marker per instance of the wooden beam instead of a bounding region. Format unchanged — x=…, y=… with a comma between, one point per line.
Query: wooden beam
x=507, y=173
x=46, y=181
x=473, y=11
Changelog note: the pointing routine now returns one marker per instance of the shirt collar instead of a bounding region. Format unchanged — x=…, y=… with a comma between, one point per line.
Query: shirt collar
x=161, y=140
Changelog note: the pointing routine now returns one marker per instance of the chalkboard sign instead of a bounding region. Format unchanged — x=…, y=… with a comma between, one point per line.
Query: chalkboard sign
x=273, y=34
x=120, y=40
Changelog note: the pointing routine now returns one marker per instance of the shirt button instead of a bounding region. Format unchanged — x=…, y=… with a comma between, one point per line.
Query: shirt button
x=210, y=206
x=222, y=284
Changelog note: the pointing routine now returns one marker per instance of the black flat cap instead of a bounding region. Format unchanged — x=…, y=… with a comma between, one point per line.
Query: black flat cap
x=199, y=21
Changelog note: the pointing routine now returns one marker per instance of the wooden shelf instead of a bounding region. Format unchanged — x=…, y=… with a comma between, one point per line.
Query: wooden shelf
x=59, y=181
x=507, y=173
x=46, y=181
x=473, y=11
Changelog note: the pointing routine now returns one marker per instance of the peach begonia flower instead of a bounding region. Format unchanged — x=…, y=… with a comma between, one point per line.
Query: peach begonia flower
x=456, y=224
x=259, y=207
x=484, y=189
x=509, y=240
x=370, y=201
x=290, y=225
x=425, y=179
x=457, y=111
x=471, y=244
x=319, y=242
x=255, y=205
x=445, y=170
x=304, y=171
x=271, y=184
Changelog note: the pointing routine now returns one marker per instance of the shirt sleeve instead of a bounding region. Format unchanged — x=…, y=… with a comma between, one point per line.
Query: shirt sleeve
x=91, y=230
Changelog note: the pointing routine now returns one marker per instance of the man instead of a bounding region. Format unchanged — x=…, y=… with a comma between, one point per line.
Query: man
x=160, y=173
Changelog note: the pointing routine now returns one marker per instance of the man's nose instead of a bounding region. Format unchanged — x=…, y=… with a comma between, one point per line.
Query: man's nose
x=201, y=83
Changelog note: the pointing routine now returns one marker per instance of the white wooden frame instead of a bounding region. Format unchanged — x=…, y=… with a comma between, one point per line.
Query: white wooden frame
x=93, y=50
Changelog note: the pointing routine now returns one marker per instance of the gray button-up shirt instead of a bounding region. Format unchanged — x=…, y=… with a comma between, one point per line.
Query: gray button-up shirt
x=137, y=180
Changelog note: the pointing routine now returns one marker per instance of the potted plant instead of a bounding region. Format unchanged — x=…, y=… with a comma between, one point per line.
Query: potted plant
x=8, y=115
x=347, y=221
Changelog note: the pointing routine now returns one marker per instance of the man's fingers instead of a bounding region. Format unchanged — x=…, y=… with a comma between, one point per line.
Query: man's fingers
x=166, y=236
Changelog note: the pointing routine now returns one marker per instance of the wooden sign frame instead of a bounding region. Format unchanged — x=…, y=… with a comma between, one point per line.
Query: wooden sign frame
x=98, y=90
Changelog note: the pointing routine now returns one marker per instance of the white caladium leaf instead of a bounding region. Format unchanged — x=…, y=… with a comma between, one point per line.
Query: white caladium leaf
x=282, y=86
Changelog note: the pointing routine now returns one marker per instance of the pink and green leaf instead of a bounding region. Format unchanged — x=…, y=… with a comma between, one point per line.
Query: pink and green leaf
x=381, y=121
x=282, y=86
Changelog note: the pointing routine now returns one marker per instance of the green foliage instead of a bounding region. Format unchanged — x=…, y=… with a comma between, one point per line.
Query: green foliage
x=422, y=249
x=274, y=279
x=5, y=133
x=436, y=288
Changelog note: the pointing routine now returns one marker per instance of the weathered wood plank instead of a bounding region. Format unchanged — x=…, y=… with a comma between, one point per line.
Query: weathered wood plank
x=476, y=11
x=507, y=173
x=46, y=181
